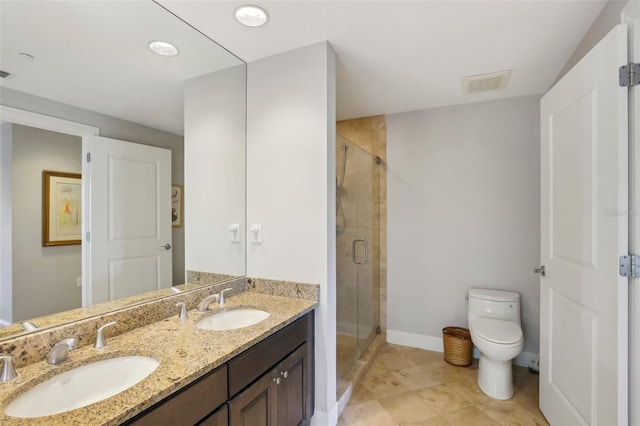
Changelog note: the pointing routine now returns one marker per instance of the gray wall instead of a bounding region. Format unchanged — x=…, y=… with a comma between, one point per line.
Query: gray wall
x=291, y=188
x=463, y=211
x=44, y=278
x=215, y=150
x=608, y=18
x=116, y=128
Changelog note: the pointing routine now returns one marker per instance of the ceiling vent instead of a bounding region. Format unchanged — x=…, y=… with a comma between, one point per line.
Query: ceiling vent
x=4, y=74
x=485, y=82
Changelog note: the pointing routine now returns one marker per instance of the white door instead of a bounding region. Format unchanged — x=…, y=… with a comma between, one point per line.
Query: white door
x=128, y=188
x=584, y=229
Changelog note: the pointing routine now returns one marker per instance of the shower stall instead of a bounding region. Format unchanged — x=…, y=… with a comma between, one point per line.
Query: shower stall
x=357, y=252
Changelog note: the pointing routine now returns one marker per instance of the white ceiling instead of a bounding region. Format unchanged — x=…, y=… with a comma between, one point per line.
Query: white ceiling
x=395, y=56
x=392, y=56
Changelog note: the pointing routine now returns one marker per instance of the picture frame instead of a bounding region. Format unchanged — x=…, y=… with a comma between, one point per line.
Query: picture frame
x=176, y=205
x=61, y=208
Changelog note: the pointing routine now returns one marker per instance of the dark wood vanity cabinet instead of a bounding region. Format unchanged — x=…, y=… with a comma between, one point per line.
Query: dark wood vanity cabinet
x=280, y=397
x=269, y=384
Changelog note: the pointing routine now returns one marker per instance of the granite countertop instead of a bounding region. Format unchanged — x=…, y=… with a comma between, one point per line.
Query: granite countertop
x=185, y=353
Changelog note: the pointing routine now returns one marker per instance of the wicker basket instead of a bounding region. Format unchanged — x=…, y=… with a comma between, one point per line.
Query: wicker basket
x=458, y=348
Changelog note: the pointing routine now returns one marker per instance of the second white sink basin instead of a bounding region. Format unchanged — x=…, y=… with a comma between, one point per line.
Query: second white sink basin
x=82, y=386
x=232, y=320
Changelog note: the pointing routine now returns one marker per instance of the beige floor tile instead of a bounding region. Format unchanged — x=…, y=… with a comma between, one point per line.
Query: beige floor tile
x=417, y=377
x=407, y=408
x=510, y=413
x=470, y=416
x=433, y=421
x=469, y=390
x=445, y=372
x=442, y=399
x=369, y=413
x=416, y=387
x=395, y=361
x=378, y=385
x=420, y=356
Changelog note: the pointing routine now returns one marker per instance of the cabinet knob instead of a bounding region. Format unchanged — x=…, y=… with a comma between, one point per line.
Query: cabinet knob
x=277, y=380
x=285, y=374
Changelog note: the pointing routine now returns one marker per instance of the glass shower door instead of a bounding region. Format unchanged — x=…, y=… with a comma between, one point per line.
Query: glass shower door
x=357, y=226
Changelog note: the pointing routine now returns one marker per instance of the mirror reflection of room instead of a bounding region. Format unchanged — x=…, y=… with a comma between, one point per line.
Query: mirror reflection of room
x=113, y=85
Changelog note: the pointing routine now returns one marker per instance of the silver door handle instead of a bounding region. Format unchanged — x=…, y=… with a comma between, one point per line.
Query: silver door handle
x=166, y=246
x=540, y=271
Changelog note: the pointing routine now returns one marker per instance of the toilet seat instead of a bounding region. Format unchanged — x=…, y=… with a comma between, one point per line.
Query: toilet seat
x=496, y=331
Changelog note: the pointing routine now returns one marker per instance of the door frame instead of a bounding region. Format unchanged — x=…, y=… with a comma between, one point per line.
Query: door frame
x=631, y=17
x=39, y=121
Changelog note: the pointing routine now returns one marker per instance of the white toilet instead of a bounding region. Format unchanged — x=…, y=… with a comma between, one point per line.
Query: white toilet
x=494, y=324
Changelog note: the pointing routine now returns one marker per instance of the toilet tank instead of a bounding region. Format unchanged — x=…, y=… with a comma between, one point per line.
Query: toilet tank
x=497, y=304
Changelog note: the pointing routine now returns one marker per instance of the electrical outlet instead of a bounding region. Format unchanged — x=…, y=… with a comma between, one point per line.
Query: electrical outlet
x=79, y=282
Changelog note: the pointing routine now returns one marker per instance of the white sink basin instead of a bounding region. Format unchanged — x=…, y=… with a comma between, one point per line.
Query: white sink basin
x=231, y=320
x=81, y=386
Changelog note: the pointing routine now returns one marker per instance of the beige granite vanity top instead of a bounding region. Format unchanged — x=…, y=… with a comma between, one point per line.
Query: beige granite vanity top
x=185, y=353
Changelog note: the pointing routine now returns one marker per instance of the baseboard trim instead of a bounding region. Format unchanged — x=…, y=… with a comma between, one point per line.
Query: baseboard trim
x=432, y=343
x=322, y=418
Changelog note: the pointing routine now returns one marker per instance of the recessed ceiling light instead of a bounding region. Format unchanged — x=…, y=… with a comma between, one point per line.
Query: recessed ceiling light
x=163, y=48
x=251, y=16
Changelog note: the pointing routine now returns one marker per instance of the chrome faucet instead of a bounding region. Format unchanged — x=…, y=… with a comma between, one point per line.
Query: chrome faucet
x=60, y=351
x=221, y=302
x=183, y=310
x=204, y=304
x=100, y=340
x=8, y=372
x=28, y=326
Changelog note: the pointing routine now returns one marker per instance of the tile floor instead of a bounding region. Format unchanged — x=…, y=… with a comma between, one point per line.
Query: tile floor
x=407, y=386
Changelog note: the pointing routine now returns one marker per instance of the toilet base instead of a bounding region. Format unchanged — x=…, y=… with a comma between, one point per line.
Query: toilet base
x=495, y=378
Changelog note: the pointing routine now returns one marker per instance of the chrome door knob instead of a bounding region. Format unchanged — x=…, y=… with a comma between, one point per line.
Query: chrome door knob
x=166, y=246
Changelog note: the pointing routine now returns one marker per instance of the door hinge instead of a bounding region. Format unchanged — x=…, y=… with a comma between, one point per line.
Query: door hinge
x=629, y=75
x=88, y=236
x=629, y=266
x=88, y=157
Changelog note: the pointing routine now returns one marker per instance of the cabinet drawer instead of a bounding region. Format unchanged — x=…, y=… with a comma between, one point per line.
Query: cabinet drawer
x=219, y=418
x=252, y=363
x=189, y=405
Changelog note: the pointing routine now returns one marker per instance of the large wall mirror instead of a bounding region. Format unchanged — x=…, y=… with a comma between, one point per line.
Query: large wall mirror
x=80, y=78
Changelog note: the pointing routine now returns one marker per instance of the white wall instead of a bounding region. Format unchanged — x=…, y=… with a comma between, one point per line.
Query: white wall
x=291, y=188
x=44, y=278
x=214, y=192
x=463, y=211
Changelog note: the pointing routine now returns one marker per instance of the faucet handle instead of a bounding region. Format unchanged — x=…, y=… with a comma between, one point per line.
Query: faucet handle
x=8, y=372
x=221, y=301
x=100, y=340
x=183, y=310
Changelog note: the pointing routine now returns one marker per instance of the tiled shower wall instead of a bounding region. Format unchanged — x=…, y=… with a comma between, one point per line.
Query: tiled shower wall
x=370, y=134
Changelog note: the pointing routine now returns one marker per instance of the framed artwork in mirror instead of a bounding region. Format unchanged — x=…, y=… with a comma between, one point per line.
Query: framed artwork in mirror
x=176, y=205
x=61, y=208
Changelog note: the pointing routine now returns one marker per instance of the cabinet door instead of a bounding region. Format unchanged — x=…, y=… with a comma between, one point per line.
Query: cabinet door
x=294, y=389
x=257, y=405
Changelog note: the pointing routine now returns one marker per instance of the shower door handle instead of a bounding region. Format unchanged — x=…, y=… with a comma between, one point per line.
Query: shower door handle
x=354, y=247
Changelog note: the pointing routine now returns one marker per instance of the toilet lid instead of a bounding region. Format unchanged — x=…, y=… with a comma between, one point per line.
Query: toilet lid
x=495, y=330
